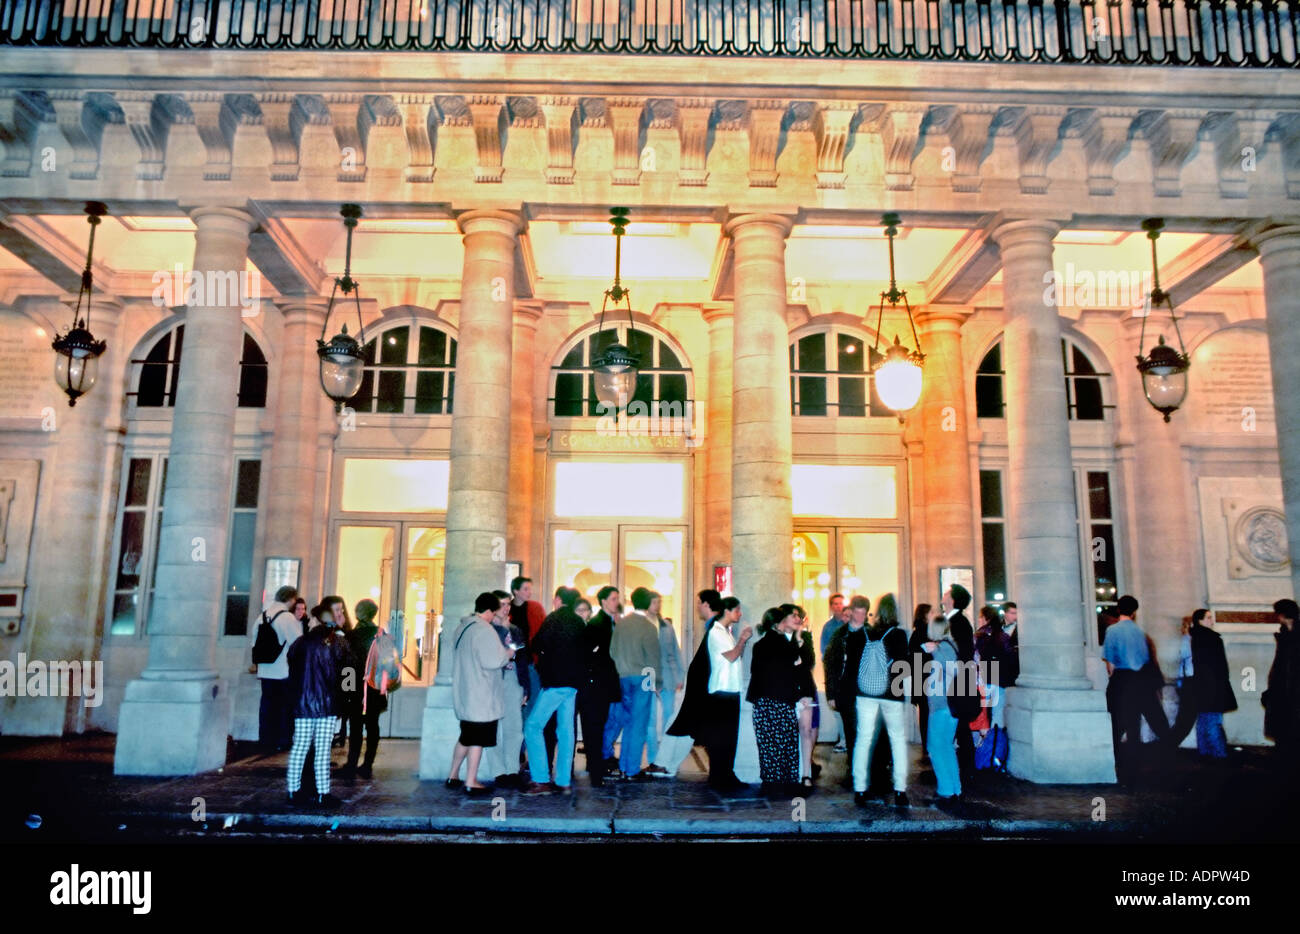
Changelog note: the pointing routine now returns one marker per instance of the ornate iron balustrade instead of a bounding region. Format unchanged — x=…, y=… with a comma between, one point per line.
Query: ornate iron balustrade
x=1235, y=33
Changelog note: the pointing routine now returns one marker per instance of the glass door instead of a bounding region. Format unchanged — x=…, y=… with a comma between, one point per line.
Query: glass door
x=627, y=556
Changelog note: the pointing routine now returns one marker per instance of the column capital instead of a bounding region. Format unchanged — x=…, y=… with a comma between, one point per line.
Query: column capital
x=303, y=310
x=937, y=319
x=1014, y=231
x=491, y=220
x=1284, y=235
x=782, y=222
x=715, y=313
x=213, y=214
x=528, y=312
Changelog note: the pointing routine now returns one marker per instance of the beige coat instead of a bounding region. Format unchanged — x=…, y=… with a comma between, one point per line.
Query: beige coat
x=477, y=689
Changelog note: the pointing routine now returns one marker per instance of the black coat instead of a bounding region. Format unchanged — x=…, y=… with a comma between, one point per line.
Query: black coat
x=1282, y=699
x=315, y=662
x=841, y=662
x=916, y=647
x=693, y=717
x=779, y=671
x=1211, y=683
x=602, y=674
x=560, y=645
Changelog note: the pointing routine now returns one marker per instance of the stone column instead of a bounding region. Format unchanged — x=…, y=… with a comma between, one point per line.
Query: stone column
x=68, y=609
x=1279, y=255
x=291, y=481
x=1057, y=723
x=762, y=568
x=1161, y=486
x=478, y=503
x=717, y=441
x=519, y=536
x=176, y=716
x=948, y=510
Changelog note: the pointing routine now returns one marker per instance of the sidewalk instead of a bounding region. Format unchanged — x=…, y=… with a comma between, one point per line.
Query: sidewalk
x=67, y=789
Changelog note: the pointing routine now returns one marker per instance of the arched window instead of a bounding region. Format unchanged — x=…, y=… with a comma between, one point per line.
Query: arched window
x=409, y=370
x=1083, y=384
x=160, y=369
x=663, y=382
x=828, y=376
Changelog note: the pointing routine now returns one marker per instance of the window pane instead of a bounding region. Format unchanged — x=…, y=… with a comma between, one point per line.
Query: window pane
x=393, y=345
x=239, y=569
x=428, y=393
x=992, y=362
x=175, y=373
x=1087, y=400
x=1081, y=362
x=1101, y=551
x=369, y=355
x=433, y=347
x=236, y=614
x=249, y=478
x=642, y=344
x=123, y=623
x=988, y=396
x=131, y=552
x=812, y=395
x=451, y=386
x=153, y=374
x=392, y=386
x=878, y=408
x=364, y=400
x=162, y=483
x=137, y=483
x=599, y=341
x=568, y=395
x=995, y=562
x=573, y=358
x=853, y=396
x=672, y=388
x=991, y=494
x=667, y=359
x=812, y=353
x=1099, y=494
x=851, y=355
x=645, y=389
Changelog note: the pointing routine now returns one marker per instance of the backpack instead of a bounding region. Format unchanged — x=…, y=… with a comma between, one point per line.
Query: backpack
x=384, y=660
x=993, y=752
x=266, y=649
x=873, y=670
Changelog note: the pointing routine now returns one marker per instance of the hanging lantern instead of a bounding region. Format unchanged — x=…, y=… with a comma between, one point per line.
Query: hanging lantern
x=897, y=372
x=77, y=353
x=616, y=367
x=1164, y=370
x=342, y=359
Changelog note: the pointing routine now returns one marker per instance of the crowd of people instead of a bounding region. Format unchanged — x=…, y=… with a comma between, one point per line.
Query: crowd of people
x=523, y=680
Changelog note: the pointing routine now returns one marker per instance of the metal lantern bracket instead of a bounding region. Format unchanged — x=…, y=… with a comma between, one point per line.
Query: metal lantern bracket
x=894, y=296
x=78, y=337
x=1159, y=297
x=351, y=214
x=617, y=354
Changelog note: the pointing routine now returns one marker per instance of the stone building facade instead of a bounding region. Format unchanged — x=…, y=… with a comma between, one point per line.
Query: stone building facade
x=1033, y=465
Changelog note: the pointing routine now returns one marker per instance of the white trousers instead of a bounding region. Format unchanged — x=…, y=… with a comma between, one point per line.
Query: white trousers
x=871, y=710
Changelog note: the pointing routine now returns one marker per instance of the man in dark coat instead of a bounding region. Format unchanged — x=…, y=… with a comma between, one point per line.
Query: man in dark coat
x=602, y=687
x=354, y=685
x=1282, y=698
x=690, y=719
x=840, y=665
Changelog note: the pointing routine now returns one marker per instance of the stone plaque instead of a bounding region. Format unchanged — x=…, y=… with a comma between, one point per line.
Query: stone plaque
x=26, y=368
x=1244, y=534
x=1230, y=386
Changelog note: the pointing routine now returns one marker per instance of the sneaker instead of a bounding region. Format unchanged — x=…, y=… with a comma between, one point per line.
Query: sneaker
x=533, y=789
x=611, y=765
x=452, y=783
x=656, y=771
x=642, y=776
x=900, y=800
x=365, y=772
x=327, y=800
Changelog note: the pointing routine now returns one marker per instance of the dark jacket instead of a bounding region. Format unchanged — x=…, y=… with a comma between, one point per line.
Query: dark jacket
x=963, y=636
x=998, y=647
x=559, y=646
x=602, y=675
x=840, y=665
x=1282, y=699
x=359, y=640
x=896, y=651
x=315, y=661
x=916, y=647
x=693, y=717
x=778, y=671
x=1211, y=683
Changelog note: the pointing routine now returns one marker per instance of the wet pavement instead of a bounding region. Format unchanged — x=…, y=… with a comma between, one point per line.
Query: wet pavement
x=62, y=790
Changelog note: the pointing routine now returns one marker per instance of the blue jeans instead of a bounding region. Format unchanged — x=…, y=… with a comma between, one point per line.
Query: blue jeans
x=940, y=735
x=1210, y=738
x=636, y=707
x=653, y=727
x=562, y=702
x=614, y=725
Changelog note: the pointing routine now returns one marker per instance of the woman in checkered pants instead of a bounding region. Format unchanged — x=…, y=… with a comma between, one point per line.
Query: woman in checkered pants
x=315, y=661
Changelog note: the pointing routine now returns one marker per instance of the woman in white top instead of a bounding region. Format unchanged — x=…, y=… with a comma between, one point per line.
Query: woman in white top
x=723, y=711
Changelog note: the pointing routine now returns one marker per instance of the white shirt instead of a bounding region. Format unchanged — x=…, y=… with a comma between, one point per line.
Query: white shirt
x=289, y=630
x=724, y=675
